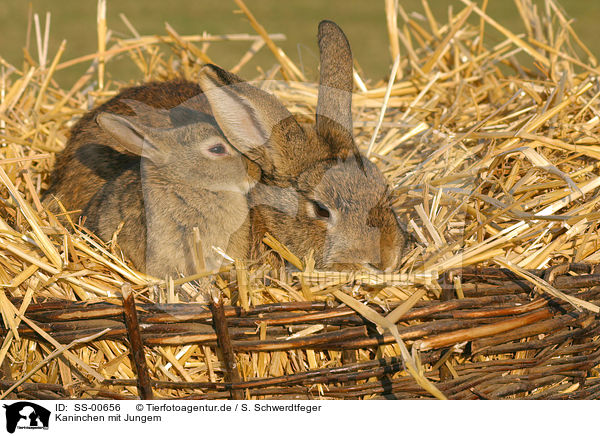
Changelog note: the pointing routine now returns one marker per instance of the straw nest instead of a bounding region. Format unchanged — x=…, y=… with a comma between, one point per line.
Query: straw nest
x=492, y=144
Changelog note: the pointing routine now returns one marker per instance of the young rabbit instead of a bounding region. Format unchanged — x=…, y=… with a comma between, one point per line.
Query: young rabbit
x=92, y=156
x=160, y=173
x=317, y=192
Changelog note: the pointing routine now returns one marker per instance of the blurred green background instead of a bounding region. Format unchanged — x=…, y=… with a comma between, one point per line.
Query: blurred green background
x=363, y=21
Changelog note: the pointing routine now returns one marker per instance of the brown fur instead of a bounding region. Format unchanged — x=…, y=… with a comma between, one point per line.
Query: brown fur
x=159, y=200
x=316, y=193
x=309, y=169
x=92, y=156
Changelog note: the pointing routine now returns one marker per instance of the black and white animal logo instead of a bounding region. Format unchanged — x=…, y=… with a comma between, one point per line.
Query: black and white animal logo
x=24, y=414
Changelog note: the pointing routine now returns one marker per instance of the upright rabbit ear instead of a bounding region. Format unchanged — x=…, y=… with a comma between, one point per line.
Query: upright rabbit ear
x=133, y=137
x=334, y=104
x=255, y=123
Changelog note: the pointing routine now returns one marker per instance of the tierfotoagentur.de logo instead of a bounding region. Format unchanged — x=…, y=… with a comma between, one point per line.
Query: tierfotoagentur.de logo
x=26, y=415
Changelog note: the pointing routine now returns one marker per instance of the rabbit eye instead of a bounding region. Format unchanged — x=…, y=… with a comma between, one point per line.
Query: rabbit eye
x=218, y=150
x=320, y=210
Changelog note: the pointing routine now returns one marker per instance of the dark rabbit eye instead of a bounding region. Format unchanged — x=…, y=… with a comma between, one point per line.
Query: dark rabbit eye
x=218, y=150
x=320, y=210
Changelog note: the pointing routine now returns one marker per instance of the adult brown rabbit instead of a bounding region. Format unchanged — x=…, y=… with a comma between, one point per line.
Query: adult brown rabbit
x=161, y=171
x=318, y=192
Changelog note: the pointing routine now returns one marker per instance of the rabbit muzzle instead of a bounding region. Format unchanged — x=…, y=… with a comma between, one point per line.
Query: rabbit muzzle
x=351, y=247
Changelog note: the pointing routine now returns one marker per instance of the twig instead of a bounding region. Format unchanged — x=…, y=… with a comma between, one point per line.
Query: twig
x=232, y=374
x=136, y=344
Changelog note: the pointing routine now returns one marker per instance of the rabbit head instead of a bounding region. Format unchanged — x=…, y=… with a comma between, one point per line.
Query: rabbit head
x=317, y=192
x=92, y=157
x=193, y=153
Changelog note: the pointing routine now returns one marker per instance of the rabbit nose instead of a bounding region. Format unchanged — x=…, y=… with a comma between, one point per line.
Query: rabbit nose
x=364, y=267
x=341, y=266
x=349, y=244
x=354, y=258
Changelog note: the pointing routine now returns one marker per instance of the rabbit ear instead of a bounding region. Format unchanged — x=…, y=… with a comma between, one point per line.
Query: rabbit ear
x=255, y=123
x=334, y=104
x=181, y=116
x=135, y=138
